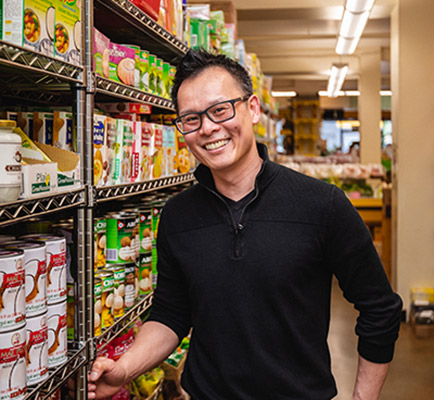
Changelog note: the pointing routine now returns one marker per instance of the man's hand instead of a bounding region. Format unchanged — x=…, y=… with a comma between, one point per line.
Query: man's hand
x=105, y=379
x=369, y=380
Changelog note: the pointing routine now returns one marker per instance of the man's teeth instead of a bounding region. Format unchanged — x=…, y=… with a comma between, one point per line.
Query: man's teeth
x=216, y=145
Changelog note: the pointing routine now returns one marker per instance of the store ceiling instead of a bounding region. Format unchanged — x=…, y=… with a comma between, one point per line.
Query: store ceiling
x=295, y=41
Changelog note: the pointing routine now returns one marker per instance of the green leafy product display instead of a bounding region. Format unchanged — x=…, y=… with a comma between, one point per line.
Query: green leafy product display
x=152, y=74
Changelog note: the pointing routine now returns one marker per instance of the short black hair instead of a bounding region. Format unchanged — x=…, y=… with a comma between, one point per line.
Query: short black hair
x=196, y=61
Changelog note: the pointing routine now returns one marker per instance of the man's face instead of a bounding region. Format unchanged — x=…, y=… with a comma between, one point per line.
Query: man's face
x=226, y=145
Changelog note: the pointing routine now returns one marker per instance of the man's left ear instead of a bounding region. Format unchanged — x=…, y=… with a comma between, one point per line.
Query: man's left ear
x=254, y=108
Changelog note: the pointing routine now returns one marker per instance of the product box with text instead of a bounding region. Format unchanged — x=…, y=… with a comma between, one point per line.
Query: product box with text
x=122, y=64
x=11, y=21
x=39, y=17
x=67, y=31
x=101, y=54
x=99, y=149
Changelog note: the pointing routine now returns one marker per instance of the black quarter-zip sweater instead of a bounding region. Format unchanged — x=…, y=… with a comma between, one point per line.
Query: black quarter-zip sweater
x=257, y=293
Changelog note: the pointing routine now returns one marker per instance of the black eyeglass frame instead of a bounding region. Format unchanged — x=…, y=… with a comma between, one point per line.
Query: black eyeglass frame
x=201, y=113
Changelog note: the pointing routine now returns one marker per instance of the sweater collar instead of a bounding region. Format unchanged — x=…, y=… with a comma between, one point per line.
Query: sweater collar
x=268, y=171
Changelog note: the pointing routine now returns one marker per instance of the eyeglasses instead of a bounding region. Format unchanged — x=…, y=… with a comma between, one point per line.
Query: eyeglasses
x=217, y=113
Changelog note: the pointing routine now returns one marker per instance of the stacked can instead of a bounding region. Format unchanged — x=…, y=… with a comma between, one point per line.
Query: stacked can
x=145, y=257
x=123, y=248
x=35, y=267
x=157, y=207
x=56, y=296
x=12, y=325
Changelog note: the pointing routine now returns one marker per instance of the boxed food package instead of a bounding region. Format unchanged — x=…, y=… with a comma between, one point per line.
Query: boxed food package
x=199, y=34
x=159, y=79
x=39, y=17
x=122, y=64
x=169, y=146
x=43, y=127
x=63, y=130
x=182, y=161
x=136, y=154
x=68, y=166
x=150, y=7
x=67, y=31
x=152, y=68
x=10, y=115
x=147, y=150
x=158, y=164
x=101, y=54
x=144, y=70
x=99, y=149
x=25, y=122
x=11, y=21
x=113, y=151
x=136, y=64
x=39, y=178
x=166, y=80
x=127, y=150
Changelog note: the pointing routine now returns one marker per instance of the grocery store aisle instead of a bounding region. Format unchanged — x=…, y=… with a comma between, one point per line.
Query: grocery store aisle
x=411, y=373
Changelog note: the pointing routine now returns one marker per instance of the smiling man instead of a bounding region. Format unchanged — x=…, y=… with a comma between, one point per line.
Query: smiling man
x=246, y=258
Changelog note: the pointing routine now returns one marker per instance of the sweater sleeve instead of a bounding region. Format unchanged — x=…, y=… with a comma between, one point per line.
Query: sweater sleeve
x=170, y=305
x=354, y=261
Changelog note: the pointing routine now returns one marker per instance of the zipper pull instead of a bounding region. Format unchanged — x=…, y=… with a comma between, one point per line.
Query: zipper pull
x=239, y=228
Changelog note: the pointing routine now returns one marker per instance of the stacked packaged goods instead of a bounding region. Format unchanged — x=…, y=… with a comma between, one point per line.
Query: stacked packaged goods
x=49, y=27
x=32, y=309
x=131, y=65
x=128, y=151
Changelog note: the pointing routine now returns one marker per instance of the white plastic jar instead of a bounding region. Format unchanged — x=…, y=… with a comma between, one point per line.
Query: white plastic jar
x=10, y=162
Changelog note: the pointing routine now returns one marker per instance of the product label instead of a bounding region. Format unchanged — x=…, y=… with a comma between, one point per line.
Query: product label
x=10, y=164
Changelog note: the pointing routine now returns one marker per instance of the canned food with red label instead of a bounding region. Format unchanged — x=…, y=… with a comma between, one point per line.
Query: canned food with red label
x=56, y=265
x=37, y=349
x=13, y=365
x=36, y=274
x=57, y=335
x=12, y=291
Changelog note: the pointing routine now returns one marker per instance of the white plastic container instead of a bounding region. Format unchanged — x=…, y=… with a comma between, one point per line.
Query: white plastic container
x=57, y=334
x=12, y=292
x=13, y=364
x=37, y=349
x=10, y=162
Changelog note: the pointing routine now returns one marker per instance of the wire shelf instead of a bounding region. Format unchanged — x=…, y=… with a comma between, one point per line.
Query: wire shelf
x=20, y=210
x=156, y=38
x=58, y=376
x=26, y=60
x=115, y=330
x=115, y=89
x=107, y=193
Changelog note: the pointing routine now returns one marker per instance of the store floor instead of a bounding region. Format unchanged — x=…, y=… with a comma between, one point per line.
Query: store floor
x=411, y=373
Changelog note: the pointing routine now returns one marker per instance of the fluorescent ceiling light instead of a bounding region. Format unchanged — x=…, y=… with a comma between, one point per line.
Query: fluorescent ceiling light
x=354, y=20
x=353, y=24
x=346, y=46
x=290, y=93
x=336, y=80
x=353, y=93
x=359, y=6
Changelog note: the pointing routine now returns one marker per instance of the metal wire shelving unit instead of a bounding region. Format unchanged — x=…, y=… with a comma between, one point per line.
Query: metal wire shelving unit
x=30, y=78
